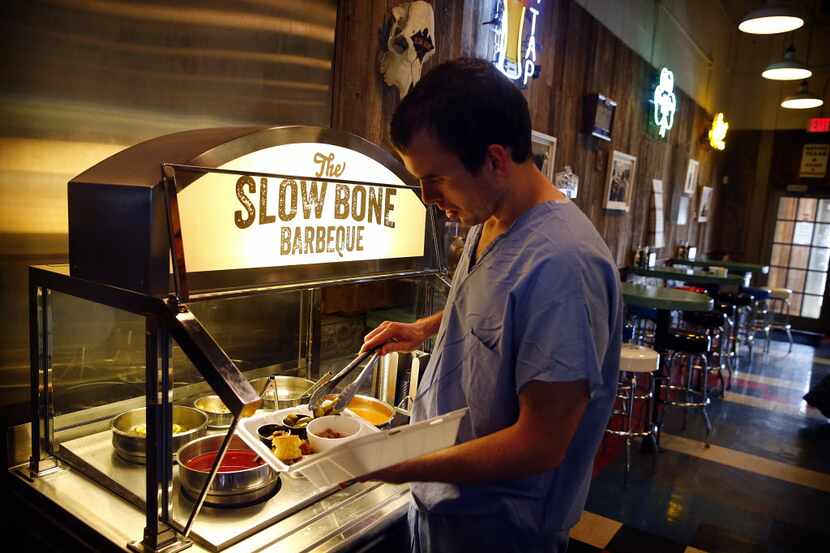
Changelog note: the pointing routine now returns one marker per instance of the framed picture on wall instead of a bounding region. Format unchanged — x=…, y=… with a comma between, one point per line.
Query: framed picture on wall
x=705, y=204
x=691, y=177
x=544, y=152
x=620, y=182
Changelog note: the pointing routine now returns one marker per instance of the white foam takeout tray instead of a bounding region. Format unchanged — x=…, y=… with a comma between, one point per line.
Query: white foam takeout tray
x=372, y=451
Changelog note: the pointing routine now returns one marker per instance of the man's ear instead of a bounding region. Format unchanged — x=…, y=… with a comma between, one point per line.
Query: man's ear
x=497, y=159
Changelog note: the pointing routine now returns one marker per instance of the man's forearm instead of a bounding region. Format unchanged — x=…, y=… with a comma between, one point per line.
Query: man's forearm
x=431, y=324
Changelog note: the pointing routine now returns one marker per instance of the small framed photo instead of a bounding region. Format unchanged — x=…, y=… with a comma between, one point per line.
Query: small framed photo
x=691, y=178
x=705, y=204
x=620, y=181
x=544, y=152
x=567, y=182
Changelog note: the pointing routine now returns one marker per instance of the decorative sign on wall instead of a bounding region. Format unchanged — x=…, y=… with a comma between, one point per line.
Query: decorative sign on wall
x=515, y=41
x=658, y=242
x=620, y=181
x=599, y=116
x=683, y=211
x=242, y=221
x=717, y=134
x=705, y=204
x=567, y=182
x=814, y=161
x=664, y=103
x=691, y=177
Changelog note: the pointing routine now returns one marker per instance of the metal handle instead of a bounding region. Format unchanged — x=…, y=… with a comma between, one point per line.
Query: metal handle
x=320, y=394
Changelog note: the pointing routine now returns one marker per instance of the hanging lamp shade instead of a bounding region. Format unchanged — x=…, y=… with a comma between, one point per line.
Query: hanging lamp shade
x=789, y=69
x=803, y=99
x=771, y=20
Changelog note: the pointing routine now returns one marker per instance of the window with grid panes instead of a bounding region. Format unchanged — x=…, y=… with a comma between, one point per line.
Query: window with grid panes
x=801, y=253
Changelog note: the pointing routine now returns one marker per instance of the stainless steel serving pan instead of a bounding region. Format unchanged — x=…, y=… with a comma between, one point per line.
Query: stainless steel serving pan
x=228, y=488
x=282, y=392
x=132, y=447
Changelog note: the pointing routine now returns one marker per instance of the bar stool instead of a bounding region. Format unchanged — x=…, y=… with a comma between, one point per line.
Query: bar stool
x=759, y=318
x=634, y=360
x=780, y=313
x=691, y=345
x=741, y=305
x=716, y=325
x=641, y=323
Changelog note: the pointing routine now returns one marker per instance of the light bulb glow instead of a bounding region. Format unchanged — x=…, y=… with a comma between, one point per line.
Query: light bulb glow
x=802, y=103
x=786, y=73
x=770, y=25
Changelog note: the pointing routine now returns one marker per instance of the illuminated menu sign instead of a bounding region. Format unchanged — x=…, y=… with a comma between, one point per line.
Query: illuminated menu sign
x=246, y=221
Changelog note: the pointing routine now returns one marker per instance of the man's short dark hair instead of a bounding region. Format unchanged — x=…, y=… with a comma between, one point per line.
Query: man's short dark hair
x=466, y=104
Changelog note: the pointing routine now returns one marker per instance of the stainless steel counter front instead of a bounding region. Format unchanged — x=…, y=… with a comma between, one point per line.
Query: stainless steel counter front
x=333, y=523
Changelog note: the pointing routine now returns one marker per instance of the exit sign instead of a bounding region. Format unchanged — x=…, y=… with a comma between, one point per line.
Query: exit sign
x=819, y=124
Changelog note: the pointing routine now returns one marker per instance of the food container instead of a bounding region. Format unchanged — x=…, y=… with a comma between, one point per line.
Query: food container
x=131, y=446
x=348, y=427
x=218, y=415
x=239, y=480
x=374, y=411
x=289, y=391
x=372, y=450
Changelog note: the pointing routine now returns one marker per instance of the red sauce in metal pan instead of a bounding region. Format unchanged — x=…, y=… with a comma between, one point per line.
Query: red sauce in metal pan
x=234, y=460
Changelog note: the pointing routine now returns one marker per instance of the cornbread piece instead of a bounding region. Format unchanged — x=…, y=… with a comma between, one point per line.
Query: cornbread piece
x=286, y=447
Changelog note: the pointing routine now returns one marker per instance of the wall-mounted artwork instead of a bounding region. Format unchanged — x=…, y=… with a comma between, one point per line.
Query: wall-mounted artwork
x=620, y=181
x=544, y=152
x=683, y=211
x=705, y=204
x=567, y=182
x=691, y=177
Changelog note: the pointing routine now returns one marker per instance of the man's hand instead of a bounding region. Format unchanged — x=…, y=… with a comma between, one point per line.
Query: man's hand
x=394, y=336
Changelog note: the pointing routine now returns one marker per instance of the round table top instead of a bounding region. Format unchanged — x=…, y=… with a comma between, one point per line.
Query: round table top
x=737, y=266
x=688, y=275
x=661, y=297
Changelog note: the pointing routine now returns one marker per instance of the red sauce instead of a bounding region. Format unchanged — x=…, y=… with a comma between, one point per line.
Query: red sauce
x=234, y=460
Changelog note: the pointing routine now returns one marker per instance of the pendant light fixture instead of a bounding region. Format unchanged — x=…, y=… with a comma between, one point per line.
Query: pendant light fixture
x=787, y=70
x=771, y=20
x=803, y=99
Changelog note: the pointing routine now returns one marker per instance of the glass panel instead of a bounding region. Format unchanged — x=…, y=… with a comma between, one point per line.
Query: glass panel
x=811, y=307
x=819, y=259
x=784, y=232
x=795, y=304
x=795, y=280
x=777, y=277
x=780, y=255
x=806, y=209
x=815, y=283
x=798, y=259
x=786, y=208
x=823, y=214
x=803, y=233
x=822, y=236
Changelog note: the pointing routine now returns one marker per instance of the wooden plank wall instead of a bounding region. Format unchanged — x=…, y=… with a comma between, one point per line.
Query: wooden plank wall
x=578, y=57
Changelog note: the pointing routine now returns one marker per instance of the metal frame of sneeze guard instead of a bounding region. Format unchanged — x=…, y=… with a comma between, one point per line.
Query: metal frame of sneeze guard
x=124, y=232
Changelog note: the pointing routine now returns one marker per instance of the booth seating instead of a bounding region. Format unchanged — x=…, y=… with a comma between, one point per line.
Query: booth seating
x=780, y=313
x=635, y=360
x=678, y=387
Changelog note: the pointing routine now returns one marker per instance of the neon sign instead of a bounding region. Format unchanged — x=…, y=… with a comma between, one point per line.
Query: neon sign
x=509, y=23
x=665, y=102
x=717, y=134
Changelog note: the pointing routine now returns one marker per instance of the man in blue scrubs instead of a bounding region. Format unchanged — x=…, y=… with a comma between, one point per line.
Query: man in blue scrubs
x=529, y=339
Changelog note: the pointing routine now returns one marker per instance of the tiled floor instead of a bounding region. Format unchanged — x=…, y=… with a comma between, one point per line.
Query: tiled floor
x=763, y=486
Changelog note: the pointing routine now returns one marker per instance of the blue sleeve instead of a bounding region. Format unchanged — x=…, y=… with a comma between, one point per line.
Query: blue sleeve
x=556, y=339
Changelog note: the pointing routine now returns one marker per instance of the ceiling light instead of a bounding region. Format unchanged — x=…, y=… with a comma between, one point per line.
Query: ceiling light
x=787, y=70
x=803, y=99
x=770, y=21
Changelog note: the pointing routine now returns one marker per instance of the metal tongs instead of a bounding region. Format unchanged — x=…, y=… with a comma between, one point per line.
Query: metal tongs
x=324, y=386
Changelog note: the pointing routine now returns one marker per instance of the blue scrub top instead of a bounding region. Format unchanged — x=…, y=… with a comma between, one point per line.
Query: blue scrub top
x=542, y=303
